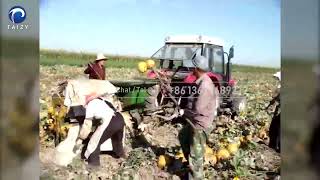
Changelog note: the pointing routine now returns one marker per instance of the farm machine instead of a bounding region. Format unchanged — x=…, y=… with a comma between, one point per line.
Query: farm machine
x=167, y=87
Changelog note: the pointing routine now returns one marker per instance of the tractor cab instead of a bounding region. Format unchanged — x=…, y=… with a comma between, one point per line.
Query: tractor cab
x=177, y=54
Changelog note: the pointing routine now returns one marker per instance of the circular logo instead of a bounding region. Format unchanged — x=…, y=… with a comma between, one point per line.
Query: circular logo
x=17, y=14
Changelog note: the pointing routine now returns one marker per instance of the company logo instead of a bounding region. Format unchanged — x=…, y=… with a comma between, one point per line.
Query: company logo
x=17, y=14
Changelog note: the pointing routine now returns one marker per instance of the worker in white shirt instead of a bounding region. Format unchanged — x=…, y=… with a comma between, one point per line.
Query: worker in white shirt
x=111, y=125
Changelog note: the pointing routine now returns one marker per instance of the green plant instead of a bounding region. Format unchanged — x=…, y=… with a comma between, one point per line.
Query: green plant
x=60, y=57
x=237, y=163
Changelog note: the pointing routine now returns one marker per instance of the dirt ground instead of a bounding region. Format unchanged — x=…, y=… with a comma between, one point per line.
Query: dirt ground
x=254, y=160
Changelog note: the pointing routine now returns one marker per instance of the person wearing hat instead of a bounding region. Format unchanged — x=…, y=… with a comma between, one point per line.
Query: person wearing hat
x=96, y=70
x=200, y=113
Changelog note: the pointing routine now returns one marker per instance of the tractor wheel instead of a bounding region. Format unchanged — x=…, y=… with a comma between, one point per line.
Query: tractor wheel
x=238, y=104
x=152, y=101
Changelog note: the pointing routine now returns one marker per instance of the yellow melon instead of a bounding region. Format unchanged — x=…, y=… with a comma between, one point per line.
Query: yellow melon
x=233, y=148
x=180, y=155
x=162, y=161
x=142, y=67
x=208, y=150
x=150, y=63
x=223, y=154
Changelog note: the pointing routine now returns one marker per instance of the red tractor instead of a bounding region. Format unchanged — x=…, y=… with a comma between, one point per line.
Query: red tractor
x=168, y=87
x=177, y=81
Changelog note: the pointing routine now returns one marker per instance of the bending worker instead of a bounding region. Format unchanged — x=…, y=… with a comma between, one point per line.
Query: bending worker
x=111, y=125
x=200, y=113
x=96, y=70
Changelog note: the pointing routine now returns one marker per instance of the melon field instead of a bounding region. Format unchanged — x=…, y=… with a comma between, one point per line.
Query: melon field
x=154, y=152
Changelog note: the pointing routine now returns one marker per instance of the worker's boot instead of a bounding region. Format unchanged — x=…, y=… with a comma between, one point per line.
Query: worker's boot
x=123, y=155
x=119, y=150
x=93, y=167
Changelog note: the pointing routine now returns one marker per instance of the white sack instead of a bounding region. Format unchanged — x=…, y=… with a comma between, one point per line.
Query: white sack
x=77, y=90
x=63, y=153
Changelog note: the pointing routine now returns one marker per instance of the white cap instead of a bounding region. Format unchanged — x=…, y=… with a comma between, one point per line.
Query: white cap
x=100, y=56
x=278, y=75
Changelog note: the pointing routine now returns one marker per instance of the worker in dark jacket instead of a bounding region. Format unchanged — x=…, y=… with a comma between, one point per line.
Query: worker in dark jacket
x=96, y=70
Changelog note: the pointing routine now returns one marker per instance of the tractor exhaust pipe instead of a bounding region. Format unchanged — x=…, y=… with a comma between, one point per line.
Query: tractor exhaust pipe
x=228, y=69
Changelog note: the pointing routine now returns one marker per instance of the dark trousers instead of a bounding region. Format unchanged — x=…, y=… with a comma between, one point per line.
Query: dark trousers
x=115, y=132
x=274, y=133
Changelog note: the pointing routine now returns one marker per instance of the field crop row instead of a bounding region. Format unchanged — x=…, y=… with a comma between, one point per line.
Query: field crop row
x=60, y=57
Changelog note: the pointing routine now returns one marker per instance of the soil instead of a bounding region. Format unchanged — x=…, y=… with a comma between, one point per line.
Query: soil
x=254, y=160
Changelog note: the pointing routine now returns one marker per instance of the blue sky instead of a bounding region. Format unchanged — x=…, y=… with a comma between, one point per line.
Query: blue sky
x=138, y=27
